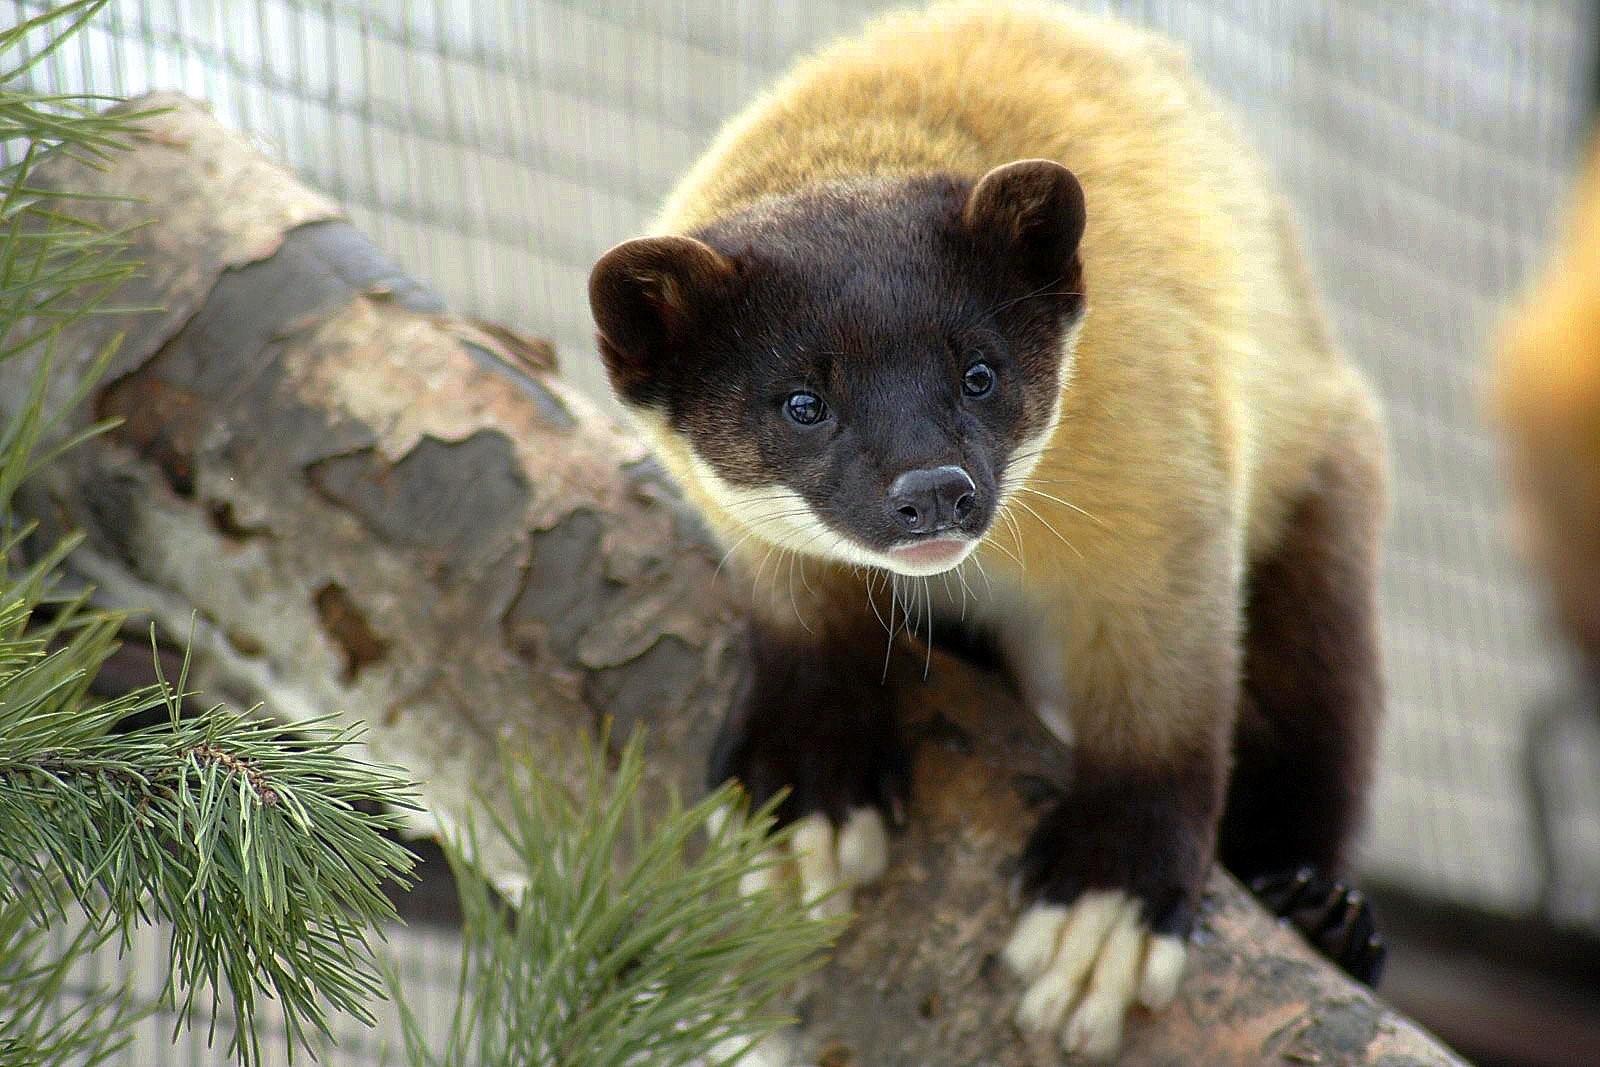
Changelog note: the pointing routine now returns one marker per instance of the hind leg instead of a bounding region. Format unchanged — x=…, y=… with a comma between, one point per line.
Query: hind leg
x=1309, y=710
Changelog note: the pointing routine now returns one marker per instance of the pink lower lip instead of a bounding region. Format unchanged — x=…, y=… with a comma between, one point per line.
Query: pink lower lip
x=940, y=550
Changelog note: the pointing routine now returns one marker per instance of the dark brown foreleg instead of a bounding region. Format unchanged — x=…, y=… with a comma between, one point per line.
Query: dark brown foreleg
x=1310, y=708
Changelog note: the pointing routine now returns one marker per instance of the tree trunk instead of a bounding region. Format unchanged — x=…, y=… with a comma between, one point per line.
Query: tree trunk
x=364, y=505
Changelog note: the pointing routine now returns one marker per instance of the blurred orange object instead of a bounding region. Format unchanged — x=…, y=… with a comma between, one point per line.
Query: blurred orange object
x=1545, y=397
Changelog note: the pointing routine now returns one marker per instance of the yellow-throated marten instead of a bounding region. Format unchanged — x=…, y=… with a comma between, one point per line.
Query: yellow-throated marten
x=1546, y=399
x=996, y=290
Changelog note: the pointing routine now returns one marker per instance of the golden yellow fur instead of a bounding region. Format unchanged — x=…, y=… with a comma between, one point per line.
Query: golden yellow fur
x=1205, y=387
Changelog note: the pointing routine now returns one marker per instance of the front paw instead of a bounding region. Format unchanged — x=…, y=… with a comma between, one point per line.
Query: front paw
x=1114, y=886
x=1086, y=964
x=828, y=742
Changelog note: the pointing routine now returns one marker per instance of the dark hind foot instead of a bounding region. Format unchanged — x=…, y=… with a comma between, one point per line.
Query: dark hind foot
x=1335, y=918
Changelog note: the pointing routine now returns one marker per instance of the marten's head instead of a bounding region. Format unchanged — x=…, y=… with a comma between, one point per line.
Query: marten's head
x=861, y=372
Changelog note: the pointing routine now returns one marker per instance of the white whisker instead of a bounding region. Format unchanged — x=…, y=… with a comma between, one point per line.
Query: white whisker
x=984, y=574
x=965, y=590
x=1042, y=522
x=872, y=601
x=793, y=604
x=1064, y=503
x=1016, y=534
x=927, y=596
x=1002, y=548
x=894, y=597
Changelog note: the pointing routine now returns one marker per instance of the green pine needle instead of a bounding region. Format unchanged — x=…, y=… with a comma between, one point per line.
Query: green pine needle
x=631, y=944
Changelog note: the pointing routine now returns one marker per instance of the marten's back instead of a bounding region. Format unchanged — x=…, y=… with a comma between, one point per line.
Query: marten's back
x=1197, y=299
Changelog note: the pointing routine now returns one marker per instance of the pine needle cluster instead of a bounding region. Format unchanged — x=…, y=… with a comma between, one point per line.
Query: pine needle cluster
x=263, y=852
x=631, y=943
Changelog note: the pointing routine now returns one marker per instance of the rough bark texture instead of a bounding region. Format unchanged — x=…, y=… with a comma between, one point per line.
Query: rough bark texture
x=371, y=507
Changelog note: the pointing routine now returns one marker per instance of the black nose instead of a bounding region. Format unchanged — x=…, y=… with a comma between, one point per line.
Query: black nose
x=928, y=501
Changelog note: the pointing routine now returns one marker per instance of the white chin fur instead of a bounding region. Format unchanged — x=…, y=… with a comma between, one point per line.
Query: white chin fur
x=782, y=517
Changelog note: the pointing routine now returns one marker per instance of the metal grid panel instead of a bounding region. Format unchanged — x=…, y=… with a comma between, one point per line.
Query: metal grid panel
x=496, y=147
x=425, y=958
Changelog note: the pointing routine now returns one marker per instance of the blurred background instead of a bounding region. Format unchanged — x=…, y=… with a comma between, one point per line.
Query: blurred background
x=496, y=147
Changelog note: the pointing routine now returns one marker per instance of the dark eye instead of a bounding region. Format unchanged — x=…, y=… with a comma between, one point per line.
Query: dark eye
x=978, y=380
x=805, y=408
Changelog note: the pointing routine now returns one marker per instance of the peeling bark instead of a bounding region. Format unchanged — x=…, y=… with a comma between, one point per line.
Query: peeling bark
x=369, y=506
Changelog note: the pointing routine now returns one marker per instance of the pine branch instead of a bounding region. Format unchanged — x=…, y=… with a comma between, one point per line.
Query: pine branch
x=256, y=846
x=627, y=945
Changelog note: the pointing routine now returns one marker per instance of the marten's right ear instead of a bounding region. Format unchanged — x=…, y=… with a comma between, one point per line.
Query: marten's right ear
x=646, y=295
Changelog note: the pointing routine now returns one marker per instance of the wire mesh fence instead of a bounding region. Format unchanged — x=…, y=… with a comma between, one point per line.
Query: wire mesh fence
x=425, y=959
x=496, y=147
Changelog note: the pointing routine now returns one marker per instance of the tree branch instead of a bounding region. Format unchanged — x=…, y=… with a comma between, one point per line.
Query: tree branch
x=377, y=507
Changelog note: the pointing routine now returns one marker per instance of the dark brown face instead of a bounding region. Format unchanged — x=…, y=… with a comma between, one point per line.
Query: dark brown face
x=856, y=367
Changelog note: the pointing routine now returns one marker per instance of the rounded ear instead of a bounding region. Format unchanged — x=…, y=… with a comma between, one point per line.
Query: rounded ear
x=1034, y=209
x=645, y=295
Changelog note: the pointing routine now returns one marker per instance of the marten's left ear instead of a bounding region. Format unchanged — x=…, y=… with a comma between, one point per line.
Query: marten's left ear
x=647, y=296
x=1033, y=210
